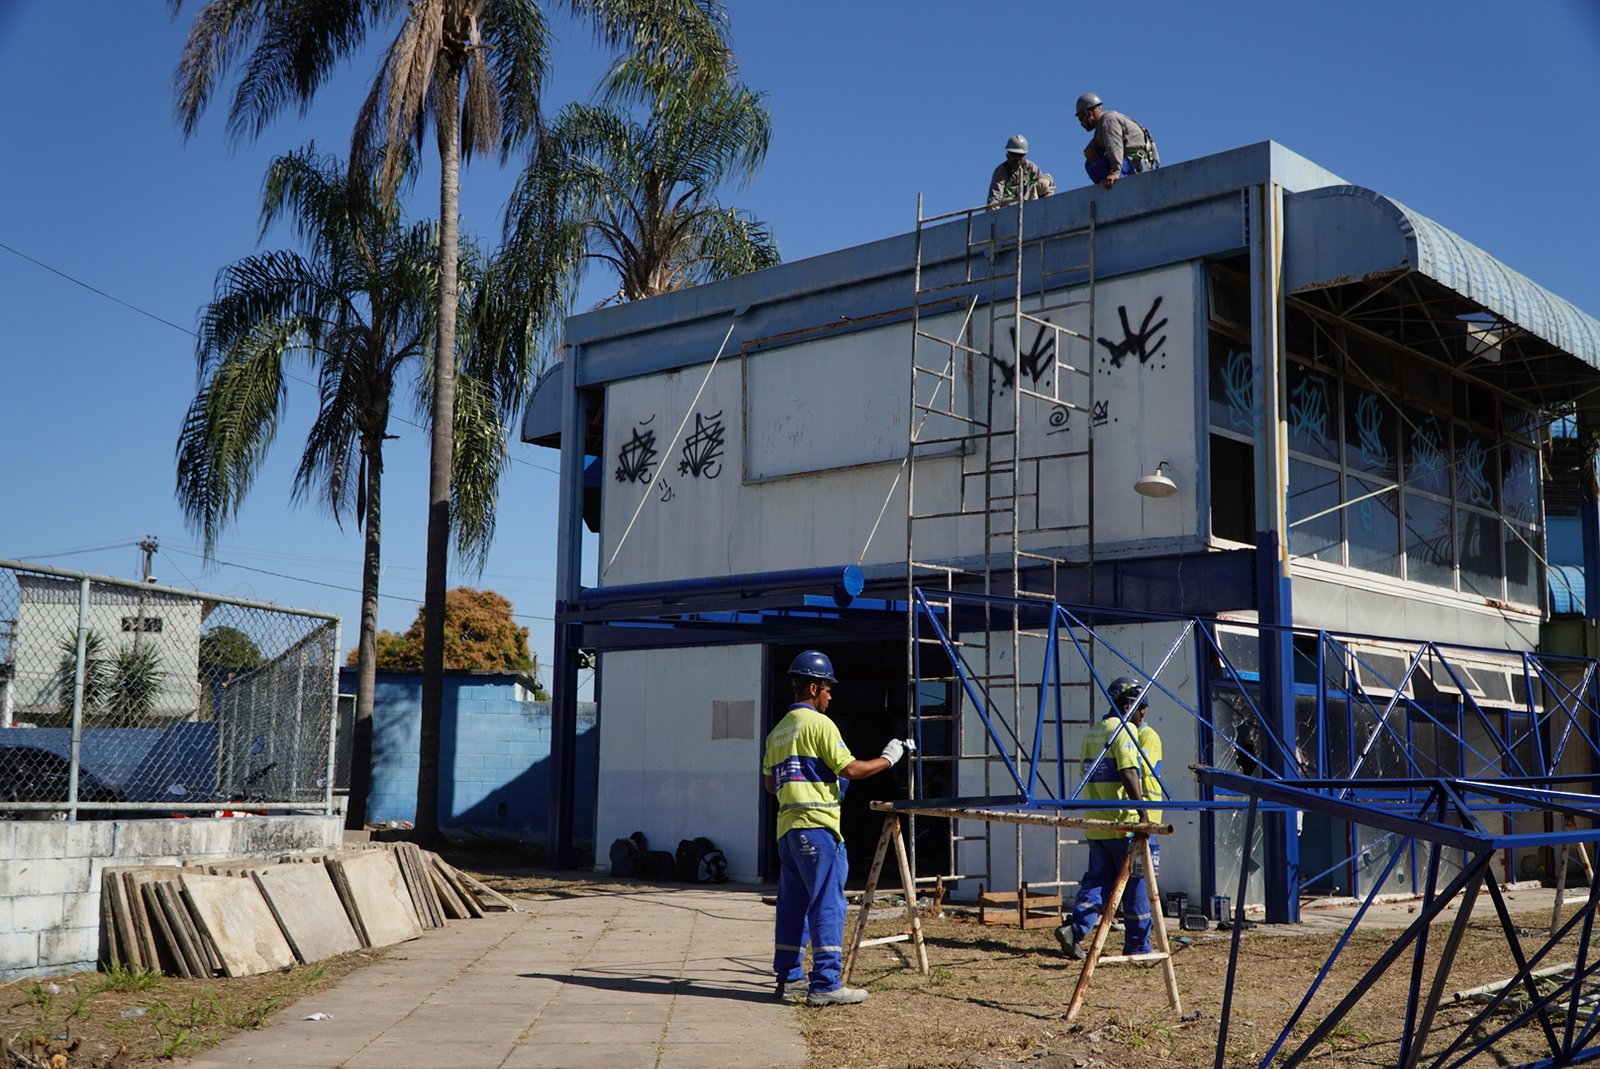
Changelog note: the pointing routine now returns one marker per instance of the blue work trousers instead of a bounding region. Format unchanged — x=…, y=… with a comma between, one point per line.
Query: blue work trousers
x=811, y=908
x=1098, y=169
x=1105, y=861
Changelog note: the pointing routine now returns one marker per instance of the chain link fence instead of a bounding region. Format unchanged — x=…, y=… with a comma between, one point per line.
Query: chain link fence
x=121, y=696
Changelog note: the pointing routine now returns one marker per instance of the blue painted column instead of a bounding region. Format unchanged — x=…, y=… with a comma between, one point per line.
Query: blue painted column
x=1589, y=515
x=569, y=574
x=1274, y=604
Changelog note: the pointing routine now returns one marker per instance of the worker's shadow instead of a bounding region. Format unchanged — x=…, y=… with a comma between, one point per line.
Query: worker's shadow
x=758, y=988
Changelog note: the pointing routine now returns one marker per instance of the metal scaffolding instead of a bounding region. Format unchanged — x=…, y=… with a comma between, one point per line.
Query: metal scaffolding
x=1001, y=432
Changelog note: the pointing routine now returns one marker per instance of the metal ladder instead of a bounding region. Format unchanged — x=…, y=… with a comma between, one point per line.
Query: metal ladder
x=998, y=382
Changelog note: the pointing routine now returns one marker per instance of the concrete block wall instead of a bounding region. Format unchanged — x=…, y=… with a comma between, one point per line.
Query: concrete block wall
x=494, y=757
x=50, y=883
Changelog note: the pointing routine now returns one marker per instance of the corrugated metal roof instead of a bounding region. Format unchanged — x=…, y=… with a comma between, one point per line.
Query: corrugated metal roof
x=1339, y=234
x=1566, y=588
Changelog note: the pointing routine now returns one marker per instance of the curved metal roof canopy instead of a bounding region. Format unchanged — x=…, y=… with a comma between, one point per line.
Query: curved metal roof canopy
x=1340, y=236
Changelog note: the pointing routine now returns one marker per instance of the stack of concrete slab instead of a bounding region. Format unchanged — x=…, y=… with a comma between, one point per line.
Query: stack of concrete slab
x=253, y=916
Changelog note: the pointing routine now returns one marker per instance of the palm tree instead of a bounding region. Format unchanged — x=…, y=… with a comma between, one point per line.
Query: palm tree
x=123, y=684
x=475, y=69
x=359, y=307
x=641, y=195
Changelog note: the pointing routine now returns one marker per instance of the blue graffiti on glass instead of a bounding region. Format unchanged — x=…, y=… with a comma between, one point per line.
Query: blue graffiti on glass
x=1427, y=453
x=1239, y=383
x=1474, y=479
x=1370, y=418
x=1521, y=487
x=1308, y=410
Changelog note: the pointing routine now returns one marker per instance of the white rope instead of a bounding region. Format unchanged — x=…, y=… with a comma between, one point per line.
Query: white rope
x=662, y=466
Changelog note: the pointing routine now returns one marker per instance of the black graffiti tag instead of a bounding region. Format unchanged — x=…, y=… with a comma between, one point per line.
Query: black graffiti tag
x=702, y=450
x=1040, y=354
x=637, y=457
x=1136, y=342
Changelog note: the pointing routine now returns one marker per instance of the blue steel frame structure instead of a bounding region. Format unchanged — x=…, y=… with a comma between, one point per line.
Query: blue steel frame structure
x=1446, y=815
x=1508, y=769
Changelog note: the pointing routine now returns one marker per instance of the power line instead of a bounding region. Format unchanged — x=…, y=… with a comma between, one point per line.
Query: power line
x=91, y=289
x=333, y=586
x=167, y=322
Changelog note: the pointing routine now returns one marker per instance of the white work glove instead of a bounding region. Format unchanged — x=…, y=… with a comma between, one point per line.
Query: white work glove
x=898, y=748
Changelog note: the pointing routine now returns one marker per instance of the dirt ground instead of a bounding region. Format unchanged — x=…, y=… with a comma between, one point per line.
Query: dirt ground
x=995, y=999
x=126, y=1019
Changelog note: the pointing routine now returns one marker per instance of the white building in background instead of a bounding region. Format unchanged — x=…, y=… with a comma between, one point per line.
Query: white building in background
x=124, y=619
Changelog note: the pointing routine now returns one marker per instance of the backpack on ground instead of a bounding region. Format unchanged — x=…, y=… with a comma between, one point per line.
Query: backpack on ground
x=627, y=853
x=699, y=861
x=657, y=865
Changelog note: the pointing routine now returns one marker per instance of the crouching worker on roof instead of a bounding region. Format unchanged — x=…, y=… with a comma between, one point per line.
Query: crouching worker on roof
x=1119, y=146
x=805, y=764
x=1018, y=177
x=1114, y=768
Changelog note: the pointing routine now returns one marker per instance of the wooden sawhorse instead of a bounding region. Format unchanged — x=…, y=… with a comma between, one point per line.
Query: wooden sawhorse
x=1140, y=849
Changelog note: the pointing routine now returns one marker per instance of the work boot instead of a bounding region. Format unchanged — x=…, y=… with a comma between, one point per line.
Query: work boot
x=1069, y=943
x=839, y=996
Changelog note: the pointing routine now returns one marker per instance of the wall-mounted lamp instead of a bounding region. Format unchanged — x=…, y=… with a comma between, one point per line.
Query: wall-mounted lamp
x=1157, y=483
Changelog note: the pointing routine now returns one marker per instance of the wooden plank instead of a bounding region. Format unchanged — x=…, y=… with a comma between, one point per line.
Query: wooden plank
x=186, y=936
x=110, y=951
x=141, y=920
x=424, y=873
x=172, y=960
x=454, y=907
x=341, y=887
x=469, y=900
x=484, y=889
x=419, y=886
x=127, y=936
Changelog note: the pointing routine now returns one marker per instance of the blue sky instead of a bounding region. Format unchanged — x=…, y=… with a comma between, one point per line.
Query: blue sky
x=1483, y=115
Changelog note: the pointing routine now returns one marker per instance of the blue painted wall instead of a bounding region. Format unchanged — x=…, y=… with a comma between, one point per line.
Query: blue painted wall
x=494, y=756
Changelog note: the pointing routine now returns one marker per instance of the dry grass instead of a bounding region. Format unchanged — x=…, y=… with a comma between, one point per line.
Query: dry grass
x=996, y=999
x=130, y=1018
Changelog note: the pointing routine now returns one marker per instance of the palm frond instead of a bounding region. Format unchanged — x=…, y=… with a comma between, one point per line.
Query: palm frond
x=221, y=29
x=643, y=194
x=519, y=56
x=296, y=47
x=689, y=35
x=227, y=429
x=480, y=458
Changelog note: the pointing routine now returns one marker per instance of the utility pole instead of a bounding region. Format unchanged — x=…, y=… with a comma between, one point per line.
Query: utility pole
x=149, y=545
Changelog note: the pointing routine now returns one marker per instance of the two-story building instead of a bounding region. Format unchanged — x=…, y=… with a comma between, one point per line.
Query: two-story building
x=1277, y=437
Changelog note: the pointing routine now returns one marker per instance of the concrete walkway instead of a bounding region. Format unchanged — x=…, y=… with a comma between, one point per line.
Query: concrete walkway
x=658, y=979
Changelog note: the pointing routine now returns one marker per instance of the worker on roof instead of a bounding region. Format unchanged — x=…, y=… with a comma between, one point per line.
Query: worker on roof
x=1119, y=146
x=1018, y=176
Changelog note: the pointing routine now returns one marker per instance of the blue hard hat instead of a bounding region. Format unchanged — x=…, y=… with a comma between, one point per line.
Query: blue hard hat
x=812, y=665
x=1125, y=688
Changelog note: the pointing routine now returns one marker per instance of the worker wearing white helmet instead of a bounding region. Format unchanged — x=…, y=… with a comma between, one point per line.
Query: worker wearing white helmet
x=1119, y=146
x=1018, y=176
